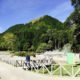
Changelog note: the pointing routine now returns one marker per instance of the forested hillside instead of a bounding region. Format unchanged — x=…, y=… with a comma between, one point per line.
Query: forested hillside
x=73, y=23
x=43, y=34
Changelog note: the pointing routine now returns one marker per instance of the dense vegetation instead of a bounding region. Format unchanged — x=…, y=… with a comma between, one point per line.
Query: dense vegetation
x=44, y=33
x=38, y=35
x=73, y=22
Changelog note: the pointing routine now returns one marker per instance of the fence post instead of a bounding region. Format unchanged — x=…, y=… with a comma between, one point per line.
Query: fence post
x=60, y=70
x=72, y=71
x=43, y=68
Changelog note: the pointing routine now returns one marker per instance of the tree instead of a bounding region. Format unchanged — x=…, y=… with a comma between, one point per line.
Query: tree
x=76, y=3
x=9, y=39
x=26, y=46
x=55, y=37
x=44, y=38
x=74, y=18
x=50, y=45
x=76, y=15
x=60, y=37
x=43, y=47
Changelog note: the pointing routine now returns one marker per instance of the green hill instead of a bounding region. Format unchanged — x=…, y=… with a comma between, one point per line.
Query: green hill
x=46, y=20
x=73, y=23
x=39, y=35
x=29, y=36
x=44, y=33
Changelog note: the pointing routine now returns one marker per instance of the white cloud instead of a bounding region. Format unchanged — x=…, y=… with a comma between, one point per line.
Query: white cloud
x=62, y=11
x=1, y=29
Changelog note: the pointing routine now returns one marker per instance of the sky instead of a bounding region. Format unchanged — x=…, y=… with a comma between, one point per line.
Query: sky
x=22, y=11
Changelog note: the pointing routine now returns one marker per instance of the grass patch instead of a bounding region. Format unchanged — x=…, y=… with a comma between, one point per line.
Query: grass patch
x=66, y=70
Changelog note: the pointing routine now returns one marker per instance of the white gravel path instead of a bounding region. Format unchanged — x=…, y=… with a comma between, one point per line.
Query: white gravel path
x=8, y=72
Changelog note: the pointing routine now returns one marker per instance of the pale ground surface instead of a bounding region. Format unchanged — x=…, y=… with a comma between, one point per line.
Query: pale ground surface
x=8, y=72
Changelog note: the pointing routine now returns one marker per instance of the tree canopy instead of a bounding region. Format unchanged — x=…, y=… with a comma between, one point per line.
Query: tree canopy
x=44, y=33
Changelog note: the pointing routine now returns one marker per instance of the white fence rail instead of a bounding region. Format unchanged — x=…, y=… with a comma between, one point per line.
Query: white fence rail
x=52, y=69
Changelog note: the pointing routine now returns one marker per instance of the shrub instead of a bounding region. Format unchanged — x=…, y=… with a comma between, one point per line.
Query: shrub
x=21, y=53
x=43, y=47
x=24, y=53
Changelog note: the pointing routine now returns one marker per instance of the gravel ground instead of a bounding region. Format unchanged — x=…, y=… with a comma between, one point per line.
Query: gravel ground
x=8, y=72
